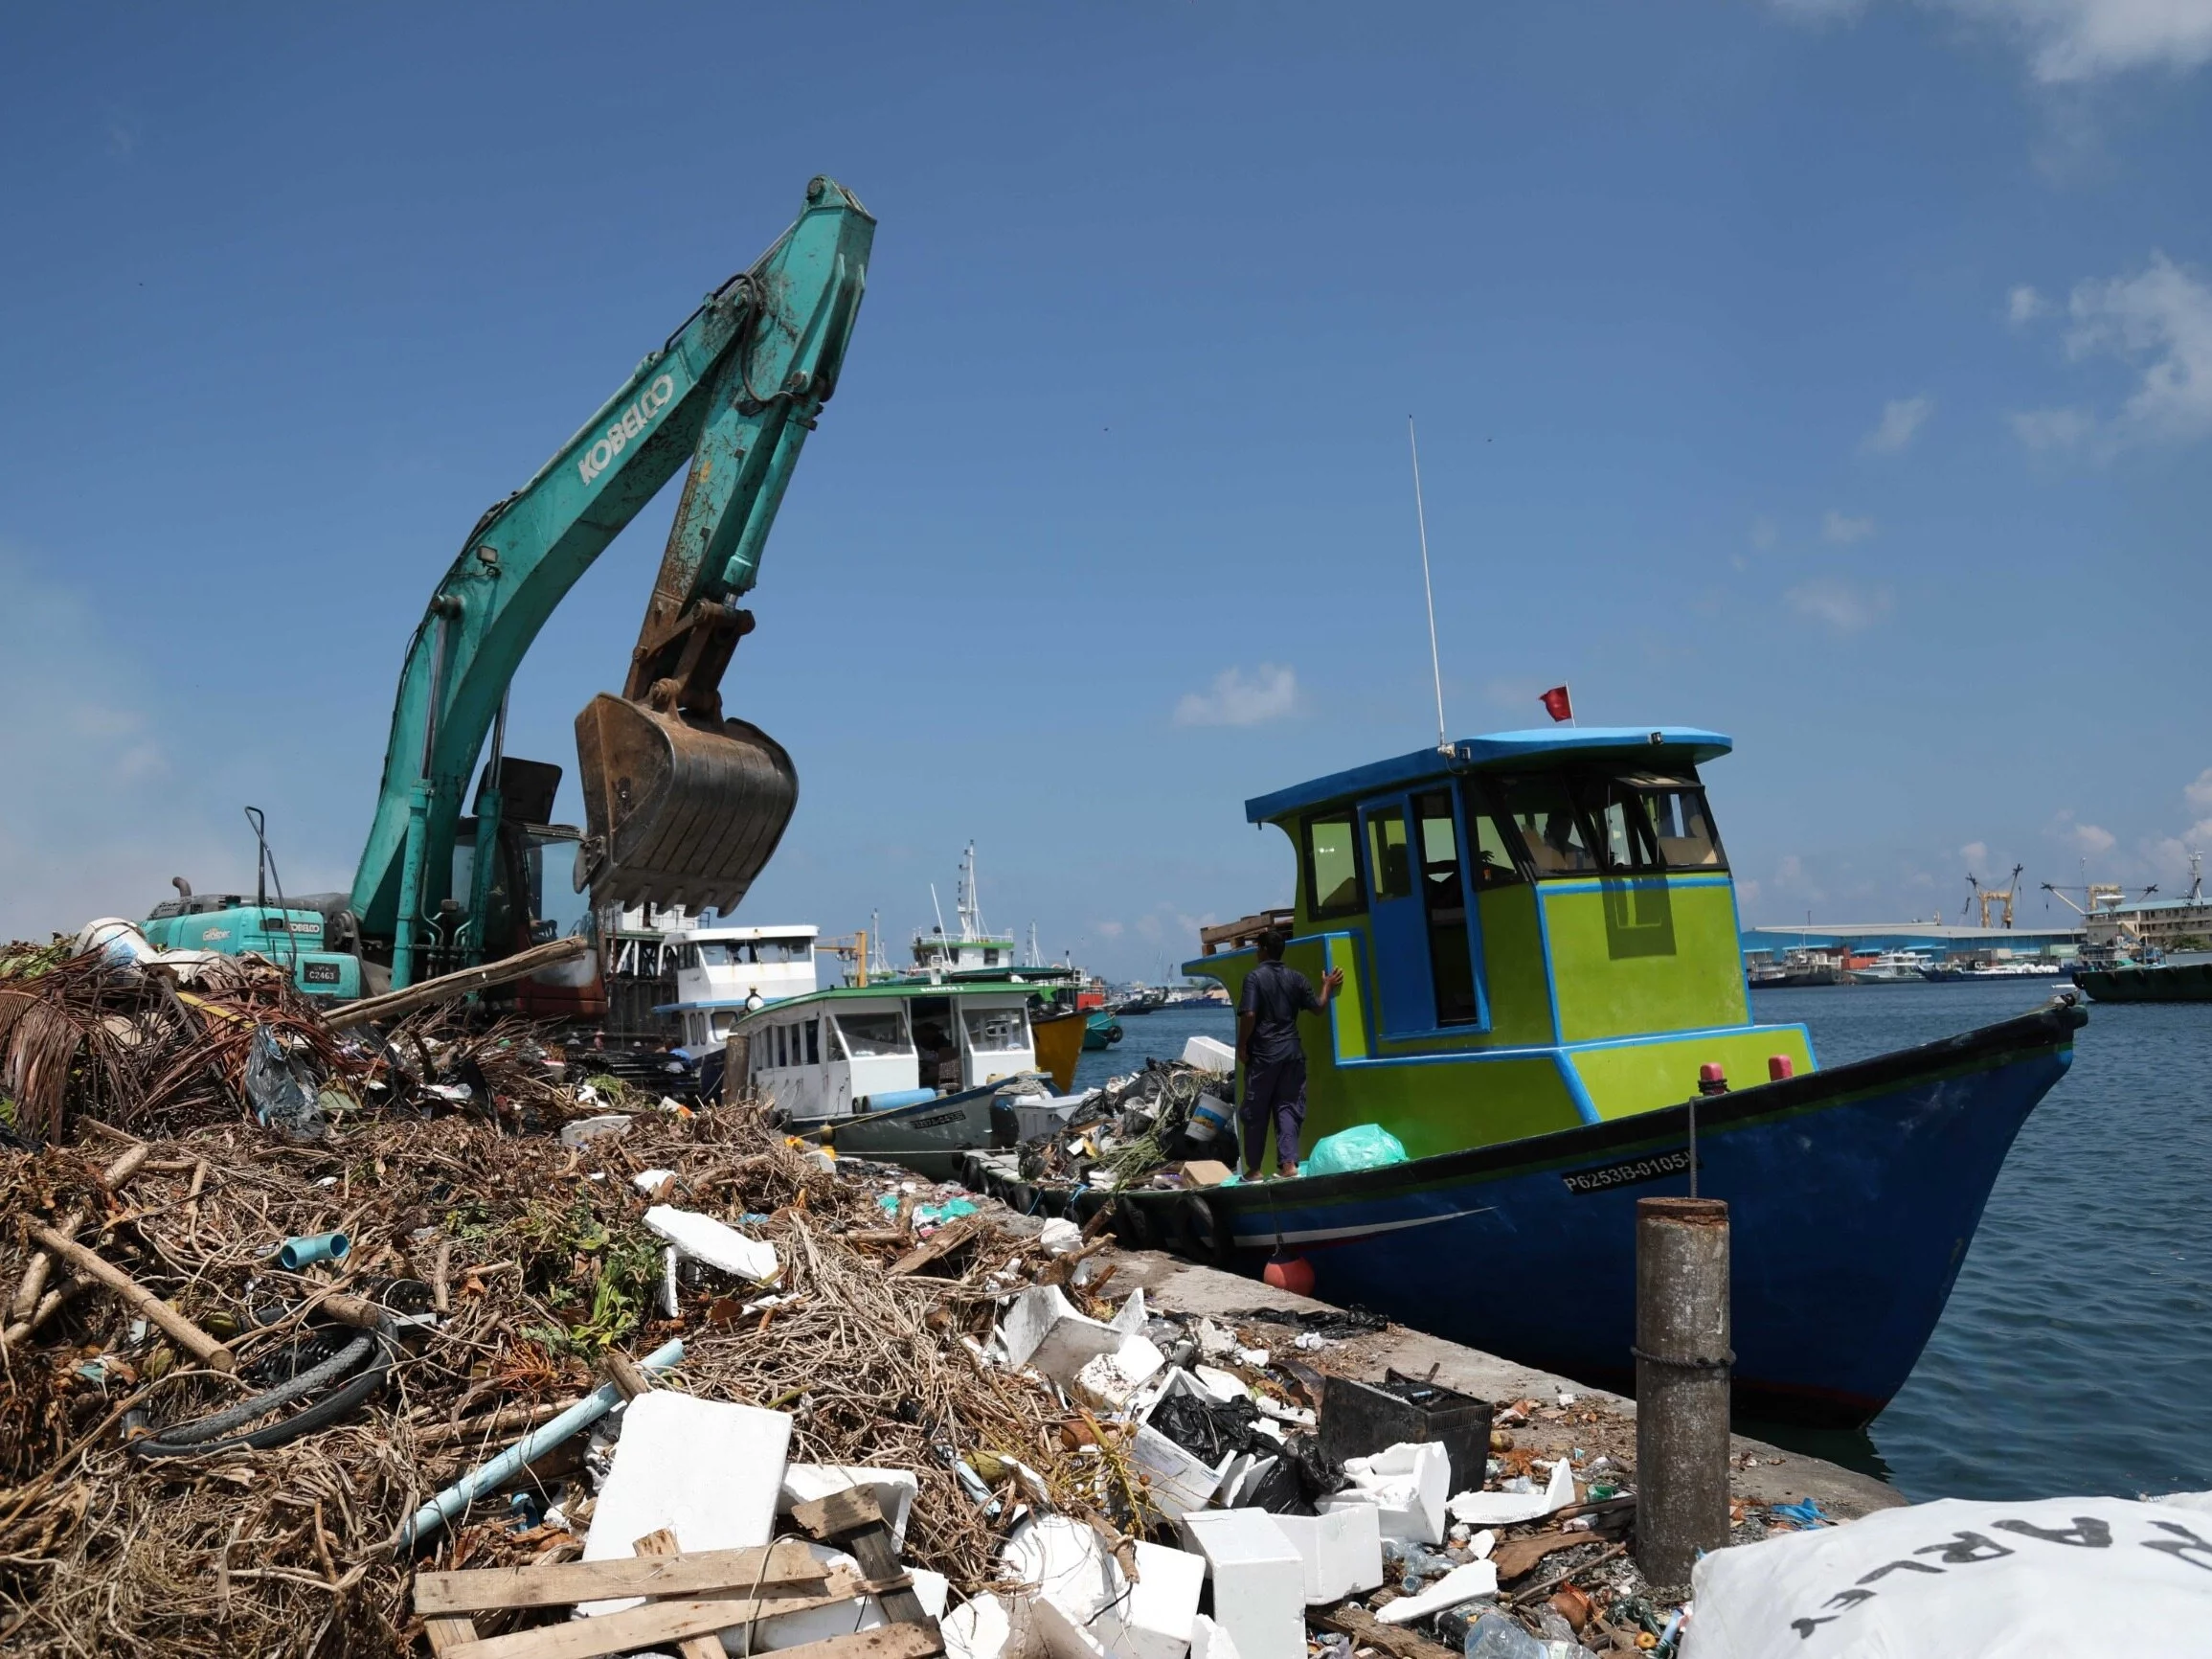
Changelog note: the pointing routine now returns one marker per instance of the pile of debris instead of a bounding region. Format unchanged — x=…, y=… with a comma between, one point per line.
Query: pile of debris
x=334, y=1340
x=1144, y=1128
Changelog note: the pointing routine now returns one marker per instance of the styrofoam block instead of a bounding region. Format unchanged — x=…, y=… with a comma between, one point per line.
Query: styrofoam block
x=716, y=1244
x=894, y=1489
x=1223, y=1385
x=1209, y=1054
x=706, y=1470
x=1059, y=1236
x=1343, y=1551
x=1109, y=1381
x=1086, y=1606
x=990, y=1626
x=1259, y=1580
x=1506, y=1509
x=1210, y=1641
x=1062, y=1635
x=1461, y=1584
x=822, y=1623
x=1130, y=1316
x=1409, y=1483
x=1042, y=1328
x=1176, y=1482
x=1152, y=1617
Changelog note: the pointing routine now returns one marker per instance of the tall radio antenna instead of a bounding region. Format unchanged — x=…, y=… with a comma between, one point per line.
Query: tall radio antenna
x=1428, y=589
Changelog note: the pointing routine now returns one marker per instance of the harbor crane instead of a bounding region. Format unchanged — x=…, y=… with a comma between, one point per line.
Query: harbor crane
x=2100, y=895
x=1989, y=895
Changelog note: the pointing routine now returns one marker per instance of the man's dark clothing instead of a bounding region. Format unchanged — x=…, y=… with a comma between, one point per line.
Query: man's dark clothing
x=1275, y=996
x=1274, y=1093
x=1275, y=1071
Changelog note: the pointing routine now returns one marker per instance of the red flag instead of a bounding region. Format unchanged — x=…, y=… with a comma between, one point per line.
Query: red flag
x=1556, y=704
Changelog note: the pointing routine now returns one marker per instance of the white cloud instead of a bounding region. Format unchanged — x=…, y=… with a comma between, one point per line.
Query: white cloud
x=2052, y=428
x=2200, y=794
x=1975, y=854
x=1843, y=607
x=1765, y=534
x=1110, y=929
x=1235, y=700
x=2024, y=304
x=2164, y=314
x=1902, y=419
x=2071, y=40
x=2090, y=838
x=1843, y=531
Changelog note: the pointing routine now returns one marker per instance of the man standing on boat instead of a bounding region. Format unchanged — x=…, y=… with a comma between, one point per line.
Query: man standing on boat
x=1267, y=1048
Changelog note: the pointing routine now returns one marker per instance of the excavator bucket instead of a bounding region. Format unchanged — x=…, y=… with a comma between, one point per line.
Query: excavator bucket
x=677, y=812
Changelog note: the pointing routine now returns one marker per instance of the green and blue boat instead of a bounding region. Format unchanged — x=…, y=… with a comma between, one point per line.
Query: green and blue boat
x=1542, y=989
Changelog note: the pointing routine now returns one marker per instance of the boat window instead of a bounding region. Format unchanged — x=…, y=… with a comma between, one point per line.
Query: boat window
x=1451, y=952
x=1390, y=871
x=778, y=1030
x=1537, y=804
x=996, y=1031
x=1614, y=809
x=1686, y=840
x=1332, y=865
x=1494, y=864
x=813, y=1042
x=868, y=1034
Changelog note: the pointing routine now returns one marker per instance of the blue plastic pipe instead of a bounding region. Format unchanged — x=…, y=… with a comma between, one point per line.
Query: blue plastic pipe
x=534, y=1445
x=310, y=1248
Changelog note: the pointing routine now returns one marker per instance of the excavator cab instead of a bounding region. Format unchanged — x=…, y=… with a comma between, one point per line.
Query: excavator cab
x=679, y=809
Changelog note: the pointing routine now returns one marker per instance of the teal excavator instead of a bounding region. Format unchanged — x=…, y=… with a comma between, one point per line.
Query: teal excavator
x=683, y=804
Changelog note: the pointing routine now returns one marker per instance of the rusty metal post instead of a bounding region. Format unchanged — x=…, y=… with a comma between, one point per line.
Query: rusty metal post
x=1681, y=1384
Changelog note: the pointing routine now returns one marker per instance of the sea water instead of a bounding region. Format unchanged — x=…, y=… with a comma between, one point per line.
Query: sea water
x=2075, y=1355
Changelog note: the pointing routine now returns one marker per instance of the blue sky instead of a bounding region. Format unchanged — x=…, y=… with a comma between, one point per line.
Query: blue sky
x=1836, y=376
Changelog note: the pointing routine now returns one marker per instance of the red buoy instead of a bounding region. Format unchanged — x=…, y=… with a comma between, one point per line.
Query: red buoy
x=1292, y=1272
x=1780, y=1066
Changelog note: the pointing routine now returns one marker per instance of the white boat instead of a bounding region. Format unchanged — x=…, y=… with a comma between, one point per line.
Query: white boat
x=723, y=973
x=858, y=1048
x=1894, y=968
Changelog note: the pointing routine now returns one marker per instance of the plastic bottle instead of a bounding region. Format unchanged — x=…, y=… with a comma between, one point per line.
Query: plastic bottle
x=1496, y=1636
x=1422, y=1564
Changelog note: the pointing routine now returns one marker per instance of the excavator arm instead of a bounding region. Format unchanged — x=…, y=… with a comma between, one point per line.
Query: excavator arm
x=681, y=804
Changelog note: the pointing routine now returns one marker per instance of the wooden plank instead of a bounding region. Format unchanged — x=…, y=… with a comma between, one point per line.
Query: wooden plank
x=1369, y=1631
x=855, y=1519
x=941, y=1243
x=447, y=1632
x=395, y=1003
x=883, y=1642
x=702, y=1573
x=664, y=1543
x=656, y=1623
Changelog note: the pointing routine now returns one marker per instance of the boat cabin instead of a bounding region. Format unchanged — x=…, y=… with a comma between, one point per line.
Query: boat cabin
x=722, y=972
x=863, y=1048
x=1552, y=910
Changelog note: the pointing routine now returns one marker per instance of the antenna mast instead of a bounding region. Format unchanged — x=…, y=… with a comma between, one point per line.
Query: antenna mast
x=1428, y=589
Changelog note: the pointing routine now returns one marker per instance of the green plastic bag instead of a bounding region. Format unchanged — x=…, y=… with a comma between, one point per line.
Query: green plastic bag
x=1362, y=1146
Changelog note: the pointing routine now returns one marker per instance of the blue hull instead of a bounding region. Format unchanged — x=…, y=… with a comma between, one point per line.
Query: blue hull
x=1853, y=1196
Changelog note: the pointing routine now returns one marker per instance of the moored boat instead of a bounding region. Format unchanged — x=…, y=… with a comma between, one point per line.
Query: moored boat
x=2160, y=981
x=1538, y=936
